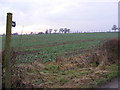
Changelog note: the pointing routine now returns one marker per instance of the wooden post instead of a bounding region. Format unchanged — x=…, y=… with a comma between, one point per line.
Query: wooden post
x=8, y=51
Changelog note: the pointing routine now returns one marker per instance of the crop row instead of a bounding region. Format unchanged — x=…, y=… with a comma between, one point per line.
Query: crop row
x=38, y=40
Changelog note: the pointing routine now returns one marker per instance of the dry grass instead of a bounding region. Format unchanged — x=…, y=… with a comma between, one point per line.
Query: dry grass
x=73, y=72
x=112, y=50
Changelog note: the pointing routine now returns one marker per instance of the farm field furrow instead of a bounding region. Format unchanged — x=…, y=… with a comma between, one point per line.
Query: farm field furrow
x=49, y=46
x=50, y=53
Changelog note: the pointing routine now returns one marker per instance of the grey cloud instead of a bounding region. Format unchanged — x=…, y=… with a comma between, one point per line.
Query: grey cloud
x=72, y=13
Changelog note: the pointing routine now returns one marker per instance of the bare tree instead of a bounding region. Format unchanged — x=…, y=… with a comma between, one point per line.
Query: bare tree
x=40, y=33
x=118, y=29
x=66, y=30
x=50, y=30
x=31, y=33
x=46, y=32
x=55, y=30
x=114, y=28
x=61, y=30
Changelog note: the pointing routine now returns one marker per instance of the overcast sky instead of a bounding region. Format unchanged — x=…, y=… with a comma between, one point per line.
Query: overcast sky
x=77, y=15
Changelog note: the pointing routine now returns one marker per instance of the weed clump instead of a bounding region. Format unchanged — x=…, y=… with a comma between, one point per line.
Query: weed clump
x=112, y=50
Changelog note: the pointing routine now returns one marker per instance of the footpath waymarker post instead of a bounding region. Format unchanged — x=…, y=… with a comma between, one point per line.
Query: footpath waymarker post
x=8, y=51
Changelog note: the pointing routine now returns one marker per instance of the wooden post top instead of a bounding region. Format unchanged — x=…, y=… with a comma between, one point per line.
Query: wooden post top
x=9, y=13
